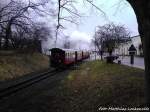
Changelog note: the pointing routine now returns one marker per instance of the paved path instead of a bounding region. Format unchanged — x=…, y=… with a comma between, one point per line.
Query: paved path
x=125, y=60
x=138, y=61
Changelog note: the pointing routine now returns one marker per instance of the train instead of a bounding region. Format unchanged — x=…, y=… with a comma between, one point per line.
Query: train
x=64, y=57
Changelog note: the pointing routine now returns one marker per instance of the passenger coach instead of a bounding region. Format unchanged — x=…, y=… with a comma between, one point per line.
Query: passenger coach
x=61, y=57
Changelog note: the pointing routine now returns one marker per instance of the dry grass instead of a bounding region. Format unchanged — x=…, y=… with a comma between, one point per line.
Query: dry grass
x=12, y=66
x=98, y=84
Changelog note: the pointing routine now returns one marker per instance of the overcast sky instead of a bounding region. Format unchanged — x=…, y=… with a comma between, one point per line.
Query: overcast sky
x=115, y=11
x=119, y=13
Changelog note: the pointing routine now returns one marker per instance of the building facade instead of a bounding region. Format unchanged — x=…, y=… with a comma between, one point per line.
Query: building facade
x=124, y=47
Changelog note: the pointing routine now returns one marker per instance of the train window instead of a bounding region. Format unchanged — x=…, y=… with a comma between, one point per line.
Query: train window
x=72, y=55
x=69, y=55
x=66, y=55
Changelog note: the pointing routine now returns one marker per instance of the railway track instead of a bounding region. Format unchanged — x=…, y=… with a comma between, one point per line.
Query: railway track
x=26, y=83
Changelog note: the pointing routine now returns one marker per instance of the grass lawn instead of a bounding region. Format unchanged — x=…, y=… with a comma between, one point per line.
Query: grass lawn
x=16, y=65
x=97, y=84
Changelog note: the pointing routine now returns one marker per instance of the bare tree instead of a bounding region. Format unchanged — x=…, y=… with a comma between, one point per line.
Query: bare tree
x=109, y=37
x=31, y=37
x=98, y=42
x=16, y=13
x=68, y=7
x=40, y=31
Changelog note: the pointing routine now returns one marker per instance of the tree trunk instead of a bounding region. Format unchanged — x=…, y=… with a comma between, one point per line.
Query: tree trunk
x=7, y=36
x=146, y=46
x=145, y=33
x=101, y=56
x=141, y=8
x=0, y=42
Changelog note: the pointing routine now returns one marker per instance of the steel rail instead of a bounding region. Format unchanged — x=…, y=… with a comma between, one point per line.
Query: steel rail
x=24, y=84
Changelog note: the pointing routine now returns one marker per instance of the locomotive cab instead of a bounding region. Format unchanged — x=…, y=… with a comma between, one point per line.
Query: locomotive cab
x=57, y=57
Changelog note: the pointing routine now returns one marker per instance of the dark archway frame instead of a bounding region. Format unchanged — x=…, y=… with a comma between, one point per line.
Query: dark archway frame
x=142, y=12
